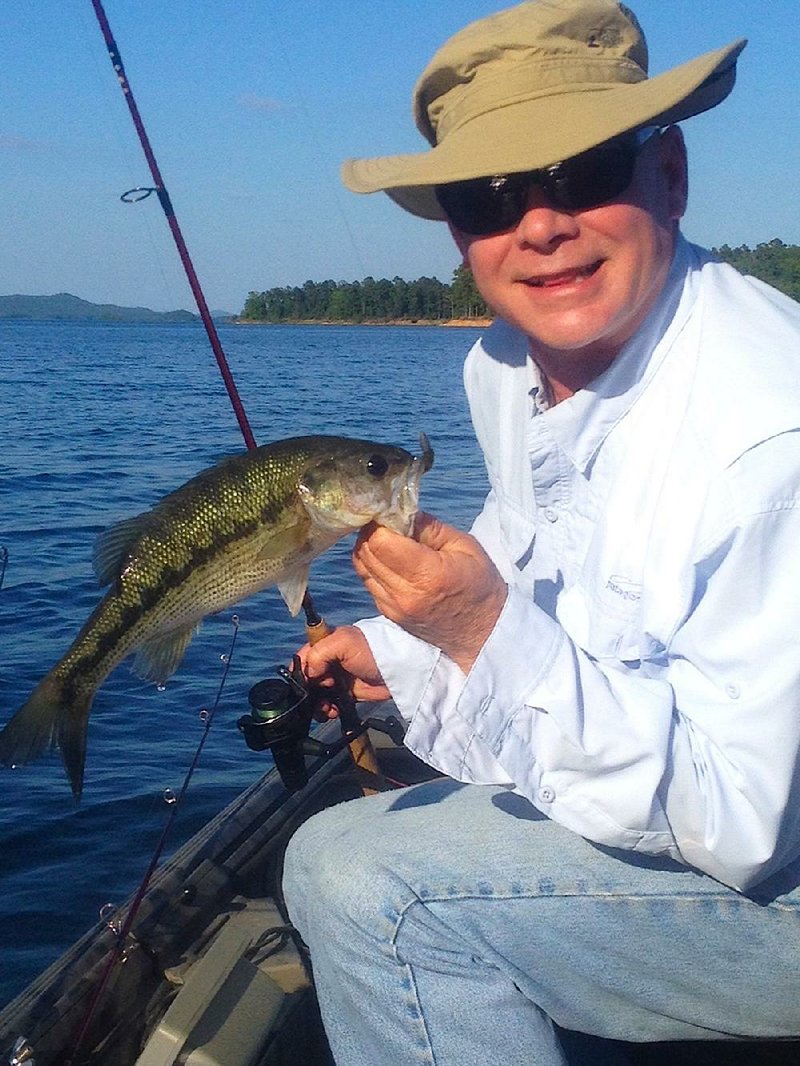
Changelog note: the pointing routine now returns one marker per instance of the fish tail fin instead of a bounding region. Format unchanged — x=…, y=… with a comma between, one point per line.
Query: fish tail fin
x=50, y=718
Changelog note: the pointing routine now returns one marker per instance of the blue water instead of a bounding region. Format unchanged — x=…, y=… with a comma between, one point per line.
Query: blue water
x=96, y=423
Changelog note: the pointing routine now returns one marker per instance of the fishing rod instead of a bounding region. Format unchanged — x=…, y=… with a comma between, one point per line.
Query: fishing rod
x=166, y=205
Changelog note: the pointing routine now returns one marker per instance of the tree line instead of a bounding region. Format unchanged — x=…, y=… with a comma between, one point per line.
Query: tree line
x=774, y=262
x=431, y=300
x=422, y=300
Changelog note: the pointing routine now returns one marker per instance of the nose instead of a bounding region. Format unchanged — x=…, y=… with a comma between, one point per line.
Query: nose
x=545, y=225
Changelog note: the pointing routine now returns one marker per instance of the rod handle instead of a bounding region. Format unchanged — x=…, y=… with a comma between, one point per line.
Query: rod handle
x=361, y=749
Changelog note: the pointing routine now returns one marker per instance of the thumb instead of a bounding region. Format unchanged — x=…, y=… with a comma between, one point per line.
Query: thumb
x=431, y=531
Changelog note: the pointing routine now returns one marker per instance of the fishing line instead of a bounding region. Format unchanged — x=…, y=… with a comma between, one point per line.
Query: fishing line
x=122, y=929
x=169, y=212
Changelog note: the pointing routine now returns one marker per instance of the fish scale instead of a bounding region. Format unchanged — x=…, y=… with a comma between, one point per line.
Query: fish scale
x=253, y=520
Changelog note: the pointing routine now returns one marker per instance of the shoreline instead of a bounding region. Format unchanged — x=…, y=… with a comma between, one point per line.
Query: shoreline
x=456, y=323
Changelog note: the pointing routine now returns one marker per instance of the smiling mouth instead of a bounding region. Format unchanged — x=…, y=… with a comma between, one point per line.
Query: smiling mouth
x=563, y=277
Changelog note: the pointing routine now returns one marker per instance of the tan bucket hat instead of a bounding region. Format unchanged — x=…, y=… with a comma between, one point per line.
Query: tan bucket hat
x=533, y=85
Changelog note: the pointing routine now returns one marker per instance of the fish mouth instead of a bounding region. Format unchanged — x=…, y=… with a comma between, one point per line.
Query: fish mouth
x=405, y=495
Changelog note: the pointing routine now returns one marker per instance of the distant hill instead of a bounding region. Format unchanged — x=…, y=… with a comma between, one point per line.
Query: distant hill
x=64, y=306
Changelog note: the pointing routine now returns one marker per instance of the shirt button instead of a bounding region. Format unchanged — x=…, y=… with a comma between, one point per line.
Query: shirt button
x=732, y=691
x=546, y=794
x=550, y=514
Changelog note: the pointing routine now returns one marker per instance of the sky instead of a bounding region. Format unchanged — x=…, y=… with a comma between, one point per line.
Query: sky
x=252, y=105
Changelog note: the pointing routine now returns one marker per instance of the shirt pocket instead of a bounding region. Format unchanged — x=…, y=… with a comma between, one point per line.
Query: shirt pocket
x=605, y=621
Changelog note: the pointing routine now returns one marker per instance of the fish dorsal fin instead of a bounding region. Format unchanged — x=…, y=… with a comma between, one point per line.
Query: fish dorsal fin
x=292, y=586
x=113, y=546
x=159, y=658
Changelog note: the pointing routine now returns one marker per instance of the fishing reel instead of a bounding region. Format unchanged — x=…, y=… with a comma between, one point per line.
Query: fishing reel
x=281, y=712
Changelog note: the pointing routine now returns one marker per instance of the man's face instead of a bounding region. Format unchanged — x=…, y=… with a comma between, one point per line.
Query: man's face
x=581, y=283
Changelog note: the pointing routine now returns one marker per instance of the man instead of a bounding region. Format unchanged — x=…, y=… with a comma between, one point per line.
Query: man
x=606, y=668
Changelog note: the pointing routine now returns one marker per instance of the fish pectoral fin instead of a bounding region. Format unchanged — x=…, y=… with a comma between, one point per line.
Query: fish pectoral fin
x=158, y=658
x=290, y=541
x=114, y=545
x=286, y=541
x=292, y=586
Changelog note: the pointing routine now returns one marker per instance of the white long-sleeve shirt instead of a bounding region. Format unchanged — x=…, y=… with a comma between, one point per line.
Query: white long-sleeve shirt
x=642, y=685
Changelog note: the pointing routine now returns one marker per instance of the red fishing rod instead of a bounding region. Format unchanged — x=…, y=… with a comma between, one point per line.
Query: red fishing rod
x=166, y=205
x=316, y=626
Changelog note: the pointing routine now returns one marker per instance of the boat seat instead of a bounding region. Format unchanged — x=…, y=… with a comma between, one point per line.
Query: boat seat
x=228, y=1003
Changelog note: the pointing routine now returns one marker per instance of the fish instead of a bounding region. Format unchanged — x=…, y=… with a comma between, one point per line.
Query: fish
x=253, y=520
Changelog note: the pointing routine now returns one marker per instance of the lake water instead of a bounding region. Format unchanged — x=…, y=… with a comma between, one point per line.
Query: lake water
x=96, y=423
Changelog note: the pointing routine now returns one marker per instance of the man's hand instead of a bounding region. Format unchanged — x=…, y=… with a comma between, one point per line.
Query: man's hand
x=439, y=585
x=345, y=648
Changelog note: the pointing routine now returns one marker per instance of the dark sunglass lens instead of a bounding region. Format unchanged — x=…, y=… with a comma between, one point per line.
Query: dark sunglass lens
x=594, y=177
x=484, y=205
x=489, y=205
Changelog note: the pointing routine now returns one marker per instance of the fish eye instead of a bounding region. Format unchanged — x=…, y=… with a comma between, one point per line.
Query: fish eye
x=377, y=465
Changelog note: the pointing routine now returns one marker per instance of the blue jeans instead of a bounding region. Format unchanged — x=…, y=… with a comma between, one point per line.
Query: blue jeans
x=453, y=925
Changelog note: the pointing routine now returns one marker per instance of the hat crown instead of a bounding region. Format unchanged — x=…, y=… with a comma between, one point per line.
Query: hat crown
x=535, y=48
x=530, y=86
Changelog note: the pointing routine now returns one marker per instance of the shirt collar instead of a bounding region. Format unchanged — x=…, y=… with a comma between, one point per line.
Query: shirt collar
x=581, y=423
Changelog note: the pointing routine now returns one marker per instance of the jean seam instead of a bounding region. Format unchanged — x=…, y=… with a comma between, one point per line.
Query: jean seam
x=427, y=1055
x=697, y=897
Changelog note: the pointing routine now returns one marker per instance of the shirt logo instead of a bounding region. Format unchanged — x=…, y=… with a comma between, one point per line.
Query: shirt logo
x=624, y=587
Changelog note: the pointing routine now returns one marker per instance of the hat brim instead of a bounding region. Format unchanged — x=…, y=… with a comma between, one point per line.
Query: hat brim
x=544, y=129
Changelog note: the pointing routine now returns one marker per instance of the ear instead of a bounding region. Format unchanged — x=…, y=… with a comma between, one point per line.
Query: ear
x=675, y=169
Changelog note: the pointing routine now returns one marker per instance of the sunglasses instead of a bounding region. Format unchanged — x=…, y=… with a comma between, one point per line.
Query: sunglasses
x=481, y=206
